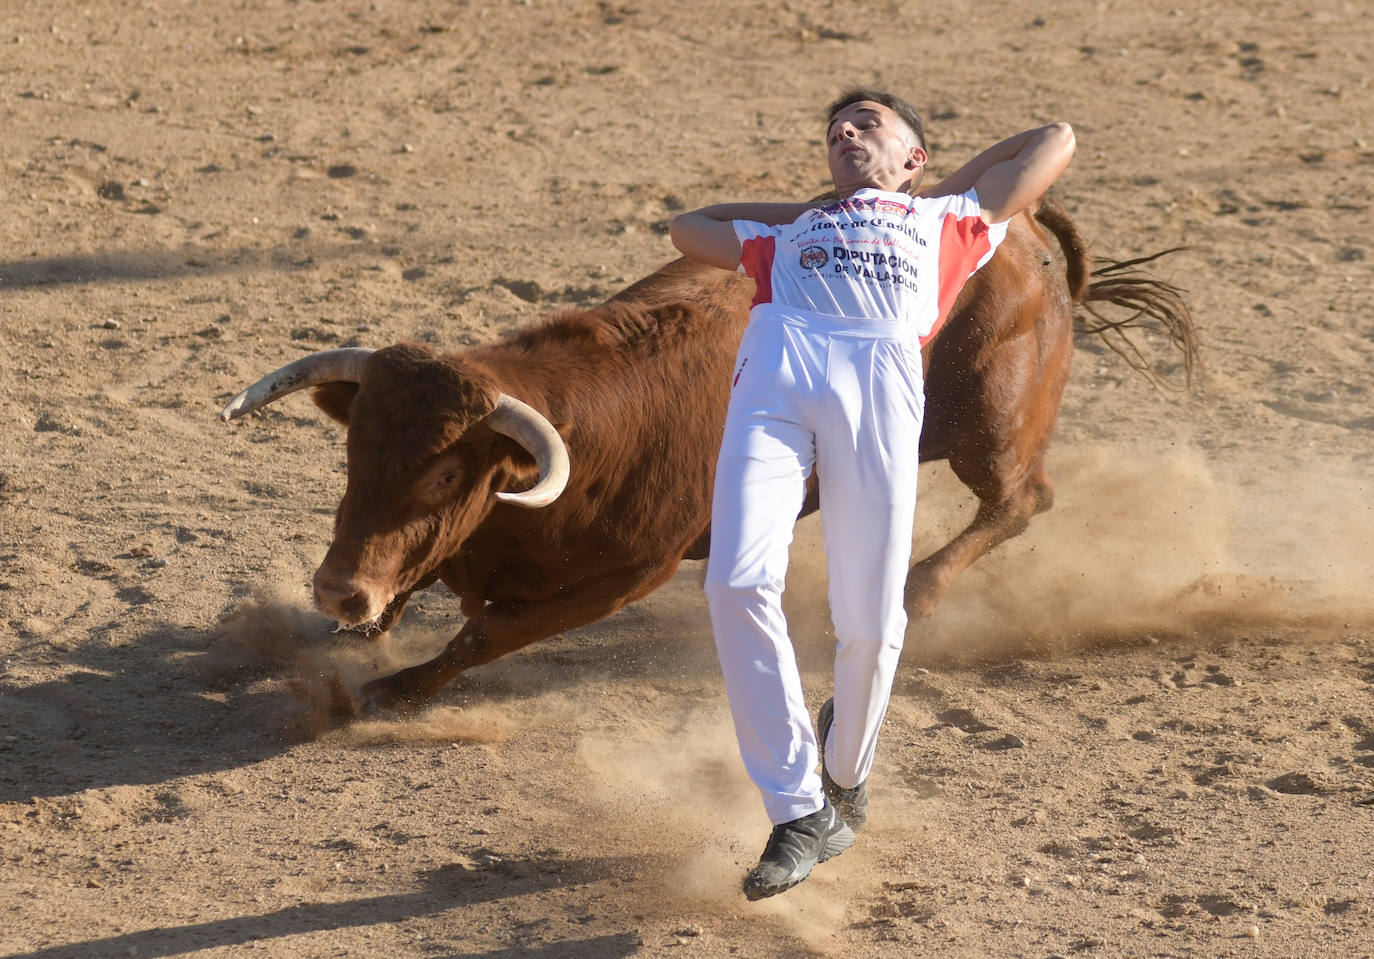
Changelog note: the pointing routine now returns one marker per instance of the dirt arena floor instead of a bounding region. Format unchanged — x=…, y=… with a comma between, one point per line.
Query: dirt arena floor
x=1144, y=728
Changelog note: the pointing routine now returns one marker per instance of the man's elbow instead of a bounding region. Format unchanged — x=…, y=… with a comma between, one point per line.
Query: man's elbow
x=1052, y=154
x=685, y=230
x=677, y=230
x=1062, y=137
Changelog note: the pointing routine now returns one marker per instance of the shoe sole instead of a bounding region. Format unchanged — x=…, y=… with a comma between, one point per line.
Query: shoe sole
x=838, y=841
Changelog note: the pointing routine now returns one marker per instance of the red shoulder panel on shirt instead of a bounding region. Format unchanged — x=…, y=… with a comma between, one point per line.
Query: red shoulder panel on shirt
x=963, y=242
x=756, y=257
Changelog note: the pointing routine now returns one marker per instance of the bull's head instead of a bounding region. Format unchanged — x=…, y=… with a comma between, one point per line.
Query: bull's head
x=429, y=440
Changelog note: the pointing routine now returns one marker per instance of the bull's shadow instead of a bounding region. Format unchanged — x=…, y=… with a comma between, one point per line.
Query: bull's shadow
x=135, y=714
x=173, y=702
x=446, y=889
x=611, y=947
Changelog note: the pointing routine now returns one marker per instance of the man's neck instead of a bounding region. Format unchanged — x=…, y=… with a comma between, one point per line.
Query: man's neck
x=902, y=187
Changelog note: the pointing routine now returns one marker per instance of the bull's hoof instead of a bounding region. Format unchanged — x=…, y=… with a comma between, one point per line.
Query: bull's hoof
x=340, y=703
x=924, y=587
x=385, y=695
x=920, y=603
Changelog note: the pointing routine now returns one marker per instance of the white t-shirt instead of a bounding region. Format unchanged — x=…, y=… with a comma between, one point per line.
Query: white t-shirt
x=873, y=255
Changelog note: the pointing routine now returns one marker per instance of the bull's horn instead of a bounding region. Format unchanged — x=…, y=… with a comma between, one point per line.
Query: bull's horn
x=329, y=366
x=528, y=428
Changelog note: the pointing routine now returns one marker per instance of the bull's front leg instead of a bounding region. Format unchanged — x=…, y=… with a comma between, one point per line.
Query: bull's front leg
x=502, y=628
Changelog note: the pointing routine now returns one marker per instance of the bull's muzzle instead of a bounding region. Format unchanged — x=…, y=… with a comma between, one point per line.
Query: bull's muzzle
x=348, y=602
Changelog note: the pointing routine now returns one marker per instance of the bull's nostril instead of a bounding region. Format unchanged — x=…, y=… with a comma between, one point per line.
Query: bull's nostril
x=354, y=606
x=342, y=601
x=324, y=597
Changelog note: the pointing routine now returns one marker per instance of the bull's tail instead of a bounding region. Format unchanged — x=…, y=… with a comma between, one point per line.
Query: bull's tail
x=1077, y=262
x=1156, y=304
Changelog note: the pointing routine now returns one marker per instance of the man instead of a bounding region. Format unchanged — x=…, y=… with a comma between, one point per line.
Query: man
x=829, y=375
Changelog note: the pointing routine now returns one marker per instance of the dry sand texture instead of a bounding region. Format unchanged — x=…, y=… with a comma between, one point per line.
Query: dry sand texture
x=1145, y=728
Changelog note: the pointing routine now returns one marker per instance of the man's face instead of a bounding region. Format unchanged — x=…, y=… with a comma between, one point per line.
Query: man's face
x=868, y=145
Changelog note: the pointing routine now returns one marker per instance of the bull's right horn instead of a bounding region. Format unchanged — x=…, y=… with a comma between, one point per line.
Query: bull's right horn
x=526, y=426
x=330, y=366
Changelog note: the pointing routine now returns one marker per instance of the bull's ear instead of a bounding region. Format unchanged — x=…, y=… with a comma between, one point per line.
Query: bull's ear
x=336, y=399
x=517, y=470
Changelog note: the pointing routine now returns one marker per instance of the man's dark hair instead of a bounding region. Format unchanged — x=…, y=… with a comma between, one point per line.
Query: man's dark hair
x=905, y=111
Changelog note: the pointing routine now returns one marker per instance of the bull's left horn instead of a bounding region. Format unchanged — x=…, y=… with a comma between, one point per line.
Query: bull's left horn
x=329, y=366
x=527, y=427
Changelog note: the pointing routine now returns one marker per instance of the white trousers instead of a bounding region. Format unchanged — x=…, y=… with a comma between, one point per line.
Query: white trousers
x=814, y=390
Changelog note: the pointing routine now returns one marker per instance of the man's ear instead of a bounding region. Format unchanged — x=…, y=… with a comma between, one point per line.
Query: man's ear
x=916, y=158
x=336, y=399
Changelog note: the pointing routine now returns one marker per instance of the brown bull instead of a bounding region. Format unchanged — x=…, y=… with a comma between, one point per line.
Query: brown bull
x=638, y=388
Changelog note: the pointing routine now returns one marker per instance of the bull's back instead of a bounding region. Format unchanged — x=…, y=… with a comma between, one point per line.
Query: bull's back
x=639, y=388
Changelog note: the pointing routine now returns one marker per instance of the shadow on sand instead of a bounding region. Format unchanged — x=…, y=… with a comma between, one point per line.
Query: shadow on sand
x=448, y=888
x=123, y=266
x=176, y=702
x=134, y=714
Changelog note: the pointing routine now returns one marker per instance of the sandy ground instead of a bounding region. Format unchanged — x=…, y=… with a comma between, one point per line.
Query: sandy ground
x=1145, y=728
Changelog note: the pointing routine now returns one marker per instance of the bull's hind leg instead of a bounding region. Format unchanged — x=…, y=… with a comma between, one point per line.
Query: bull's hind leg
x=998, y=451
x=993, y=397
x=501, y=628
x=1003, y=512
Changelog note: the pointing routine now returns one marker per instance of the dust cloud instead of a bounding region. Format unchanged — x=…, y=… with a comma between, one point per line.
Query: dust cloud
x=1139, y=546
x=274, y=636
x=684, y=802
x=1143, y=545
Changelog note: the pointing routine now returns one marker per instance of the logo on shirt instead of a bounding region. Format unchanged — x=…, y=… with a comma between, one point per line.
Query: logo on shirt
x=813, y=258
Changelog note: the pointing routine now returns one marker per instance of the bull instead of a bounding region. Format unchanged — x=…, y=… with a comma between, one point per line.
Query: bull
x=552, y=477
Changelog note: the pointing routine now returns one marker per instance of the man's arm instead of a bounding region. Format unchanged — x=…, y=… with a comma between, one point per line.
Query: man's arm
x=708, y=235
x=1010, y=175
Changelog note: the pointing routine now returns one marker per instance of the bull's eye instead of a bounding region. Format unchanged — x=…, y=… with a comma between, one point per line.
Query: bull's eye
x=442, y=478
x=442, y=483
